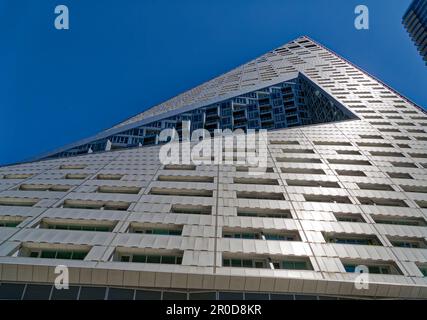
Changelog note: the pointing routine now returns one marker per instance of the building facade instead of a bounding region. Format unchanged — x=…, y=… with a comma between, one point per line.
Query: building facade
x=345, y=188
x=415, y=22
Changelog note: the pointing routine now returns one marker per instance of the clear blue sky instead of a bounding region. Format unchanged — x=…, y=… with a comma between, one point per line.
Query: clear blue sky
x=122, y=56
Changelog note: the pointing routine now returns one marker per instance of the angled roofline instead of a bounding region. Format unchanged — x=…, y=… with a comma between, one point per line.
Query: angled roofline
x=117, y=129
x=114, y=130
x=107, y=133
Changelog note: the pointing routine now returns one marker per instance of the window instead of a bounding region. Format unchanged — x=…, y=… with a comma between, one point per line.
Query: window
x=247, y=233
x=327, y=199
x=382, y=202
x=257, y=181
x=10, y=221
x=375, y=186
x=418, y=189
x=80, y=225
x=423, y=269
x=399, y=175
x=156, y=229
x=264, y=213
x=17, y=176
x=284, y=142
x=74, y=253
x=246, y=169
x=312, y=183
x=44, y=187
x=351, y=173
x=403, y=164
x=404, y=146
x=304, y=151
x=262, y=262
x=186, y=179
x=19, y=202
x=302, y=171
x=245, y=263
x=422, y=204
x=179, y=167
x=368, y=240
x=76, y=176
x=408, y=242
x=349, y=152
x=109, y=176
x=349, y=162
x=299, y=160
x=401, y=138
x=120, y=190
x=364, y=136
x=259, y=195
x=418, y=155
x=72, y=166
x=332, y=143
x=375, y=145
x=181, y=192
x=396, y=220
x=386, y=154
x=191, y=209
x=292, y=265
x=100, y=205
x=165, y=257
x=348, y=217
x=373, y=267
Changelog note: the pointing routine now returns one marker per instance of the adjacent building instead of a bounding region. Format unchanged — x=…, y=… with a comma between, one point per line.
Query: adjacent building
x=345, y=187
x=415, y=22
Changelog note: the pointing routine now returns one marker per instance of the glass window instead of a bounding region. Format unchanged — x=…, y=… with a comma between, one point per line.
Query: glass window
x=48, y=254
x=37, y=292
x=153, y=259
x=139, y=258
x=168, y=260
x=69, y=294
x=230, y=295
x=167, y=295
x=236, y=263
x=92, y=293
x=120, y=294
x=247, y=264
x=11, y=291
x=63, y=255
x=202, y=296
x=148, y=295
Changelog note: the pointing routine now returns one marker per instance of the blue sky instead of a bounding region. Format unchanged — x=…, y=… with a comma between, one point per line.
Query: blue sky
x=122, y=56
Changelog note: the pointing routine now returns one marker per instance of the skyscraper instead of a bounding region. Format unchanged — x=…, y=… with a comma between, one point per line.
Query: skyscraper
x=415, y=22
x=344, y=190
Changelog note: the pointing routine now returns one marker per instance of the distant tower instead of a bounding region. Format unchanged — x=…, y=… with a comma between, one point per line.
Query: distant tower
x=415, y=22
